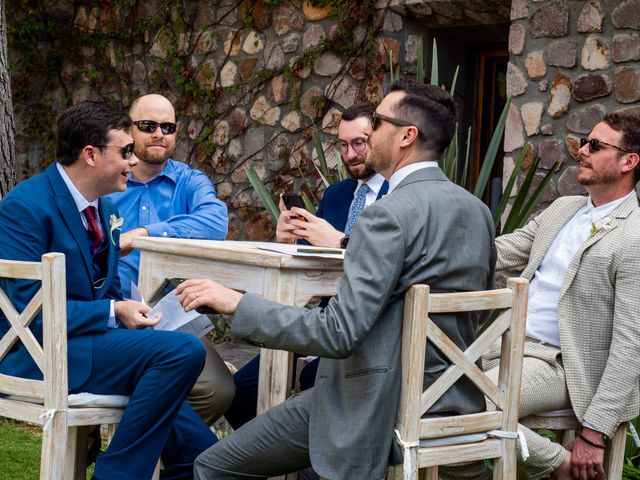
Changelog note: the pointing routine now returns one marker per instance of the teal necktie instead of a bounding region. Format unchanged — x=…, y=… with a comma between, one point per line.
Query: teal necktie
x=357, y=208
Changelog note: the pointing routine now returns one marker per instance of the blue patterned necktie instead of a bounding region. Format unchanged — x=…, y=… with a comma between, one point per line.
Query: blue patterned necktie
x=358, y=207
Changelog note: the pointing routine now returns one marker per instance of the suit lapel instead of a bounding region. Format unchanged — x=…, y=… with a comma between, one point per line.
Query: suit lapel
x=70, y=215
x=343, y=202
x=609, y=224
x=105, y=208
x=548, y=233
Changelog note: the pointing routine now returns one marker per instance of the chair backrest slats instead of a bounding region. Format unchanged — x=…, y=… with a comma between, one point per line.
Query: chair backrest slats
x=418, y=327
x=20, y=270
x=470, y=301
x=21, y=387
x=20, y=327
x=51, y=358
x=460, y=425
x=54, y=315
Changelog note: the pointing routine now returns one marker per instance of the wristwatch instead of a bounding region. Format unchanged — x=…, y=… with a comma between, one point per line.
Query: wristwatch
x=344, y=241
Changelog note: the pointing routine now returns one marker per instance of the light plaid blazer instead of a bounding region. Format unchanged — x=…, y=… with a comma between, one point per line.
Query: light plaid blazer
x=598, y=309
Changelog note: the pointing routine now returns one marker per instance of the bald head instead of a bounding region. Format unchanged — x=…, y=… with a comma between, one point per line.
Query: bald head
x=151, y=103
x=153, y=147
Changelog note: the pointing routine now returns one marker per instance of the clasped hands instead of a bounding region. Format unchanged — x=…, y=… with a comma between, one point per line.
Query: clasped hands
x=315, y=230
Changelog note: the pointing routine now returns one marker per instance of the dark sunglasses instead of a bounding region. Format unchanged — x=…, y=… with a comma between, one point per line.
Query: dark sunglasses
x=125, y=151
x=378, y=117
x=595, y=145
x=149, y=126
x=359, y=145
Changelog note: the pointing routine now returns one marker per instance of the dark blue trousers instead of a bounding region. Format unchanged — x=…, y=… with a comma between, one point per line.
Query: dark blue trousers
x=156, y=369
x=245, y=403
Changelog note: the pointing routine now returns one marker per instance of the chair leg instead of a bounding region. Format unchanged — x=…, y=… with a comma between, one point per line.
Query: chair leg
x=505, y=467
x=54, y=446
x=76, y=455
x=565, y=437
x=614, y=457
x=430, y=473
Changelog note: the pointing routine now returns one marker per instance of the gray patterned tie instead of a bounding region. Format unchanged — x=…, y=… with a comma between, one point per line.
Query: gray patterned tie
x=358, y=207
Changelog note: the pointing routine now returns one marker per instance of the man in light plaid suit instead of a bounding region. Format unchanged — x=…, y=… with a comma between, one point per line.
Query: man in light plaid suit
x=582, y=257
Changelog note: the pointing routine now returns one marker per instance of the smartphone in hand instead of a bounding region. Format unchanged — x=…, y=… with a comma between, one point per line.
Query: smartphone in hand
x=293, y=200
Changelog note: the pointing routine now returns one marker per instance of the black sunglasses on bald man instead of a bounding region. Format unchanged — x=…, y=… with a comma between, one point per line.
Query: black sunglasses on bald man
x=149, y=126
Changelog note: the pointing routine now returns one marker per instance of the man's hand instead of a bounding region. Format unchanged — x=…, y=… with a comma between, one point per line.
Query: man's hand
x=317, y=231
x=284, y=229
x=586, y=460
x=127, y=237
x=197, y=292
x=132, y=315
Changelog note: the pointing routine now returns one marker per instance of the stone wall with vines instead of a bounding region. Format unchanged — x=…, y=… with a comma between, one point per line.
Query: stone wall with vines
x=250, y=80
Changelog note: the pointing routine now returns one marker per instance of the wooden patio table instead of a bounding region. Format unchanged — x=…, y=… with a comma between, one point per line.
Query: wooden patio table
x=282, y=277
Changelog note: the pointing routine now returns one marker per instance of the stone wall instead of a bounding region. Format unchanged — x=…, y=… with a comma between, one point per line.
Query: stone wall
x=249, y=81
x=570, y=63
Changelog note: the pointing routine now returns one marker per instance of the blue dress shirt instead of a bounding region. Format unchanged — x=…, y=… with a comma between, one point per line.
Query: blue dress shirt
x=179, y=202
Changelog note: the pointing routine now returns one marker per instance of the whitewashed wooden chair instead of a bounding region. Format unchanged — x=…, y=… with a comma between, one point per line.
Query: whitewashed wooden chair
x=417, y=434
x=564, y=423
x=47, y=402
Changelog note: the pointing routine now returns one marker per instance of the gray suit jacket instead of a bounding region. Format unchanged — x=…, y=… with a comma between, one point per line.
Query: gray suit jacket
x=597, y=310
x=428, y=230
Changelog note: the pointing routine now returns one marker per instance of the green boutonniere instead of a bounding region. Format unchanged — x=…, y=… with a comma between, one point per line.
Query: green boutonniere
x=594, y=230
x=115, y=223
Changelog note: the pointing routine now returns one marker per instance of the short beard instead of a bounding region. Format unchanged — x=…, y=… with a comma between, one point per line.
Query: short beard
x=368, y=172
x=605, y=179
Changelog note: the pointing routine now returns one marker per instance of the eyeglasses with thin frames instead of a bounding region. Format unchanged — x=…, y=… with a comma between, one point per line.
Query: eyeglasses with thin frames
x=359, y=145
x=596, y=145
x=377, y=117
x=125, y=151
x=150, y=126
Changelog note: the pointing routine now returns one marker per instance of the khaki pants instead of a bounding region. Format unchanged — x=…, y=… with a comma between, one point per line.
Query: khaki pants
x=214, y=390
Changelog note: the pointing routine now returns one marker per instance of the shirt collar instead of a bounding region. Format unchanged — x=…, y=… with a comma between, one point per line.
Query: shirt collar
x=405, y=171
x=78, y=198
x=598, y=213
x=374, y=183
x=168, y=171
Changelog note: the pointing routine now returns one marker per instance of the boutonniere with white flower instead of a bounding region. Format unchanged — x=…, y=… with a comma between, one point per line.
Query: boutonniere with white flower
x=115, y=223
x=595, y=229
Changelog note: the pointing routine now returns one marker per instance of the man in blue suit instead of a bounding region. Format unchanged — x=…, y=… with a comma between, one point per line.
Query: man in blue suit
x=337, y=213
x=342, y=202
x=109, y=348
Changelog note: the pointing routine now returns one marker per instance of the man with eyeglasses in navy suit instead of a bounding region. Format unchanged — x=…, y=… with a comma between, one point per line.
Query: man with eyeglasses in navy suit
x=110, y=349
x=167, y=198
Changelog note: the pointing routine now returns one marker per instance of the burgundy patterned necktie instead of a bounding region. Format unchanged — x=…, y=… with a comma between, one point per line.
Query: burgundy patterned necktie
x=93, y=229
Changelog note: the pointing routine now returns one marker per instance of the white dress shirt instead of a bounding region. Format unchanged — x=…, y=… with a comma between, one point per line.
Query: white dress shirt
x=544, y=288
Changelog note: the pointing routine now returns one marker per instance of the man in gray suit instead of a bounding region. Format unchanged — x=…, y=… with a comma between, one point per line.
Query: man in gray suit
x=582, y=257
x=426, y=230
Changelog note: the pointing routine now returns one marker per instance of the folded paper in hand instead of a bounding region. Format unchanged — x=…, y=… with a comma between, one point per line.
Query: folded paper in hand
x=173, y=316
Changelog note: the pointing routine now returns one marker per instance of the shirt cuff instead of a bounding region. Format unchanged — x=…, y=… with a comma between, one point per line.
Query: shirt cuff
x=112, y=323
x=586, y=424
x=160, y=229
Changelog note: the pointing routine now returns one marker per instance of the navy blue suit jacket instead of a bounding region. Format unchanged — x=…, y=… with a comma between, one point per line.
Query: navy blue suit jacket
x=336, y=201
x=40, y=216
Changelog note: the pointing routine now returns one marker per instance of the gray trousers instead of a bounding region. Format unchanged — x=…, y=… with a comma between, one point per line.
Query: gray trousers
x=272, y=444
x=214, y=390
x=543, y=388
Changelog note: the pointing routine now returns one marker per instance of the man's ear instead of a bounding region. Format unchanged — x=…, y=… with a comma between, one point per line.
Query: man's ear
x=88, y=155
x=409, y=136
x=631, y=162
